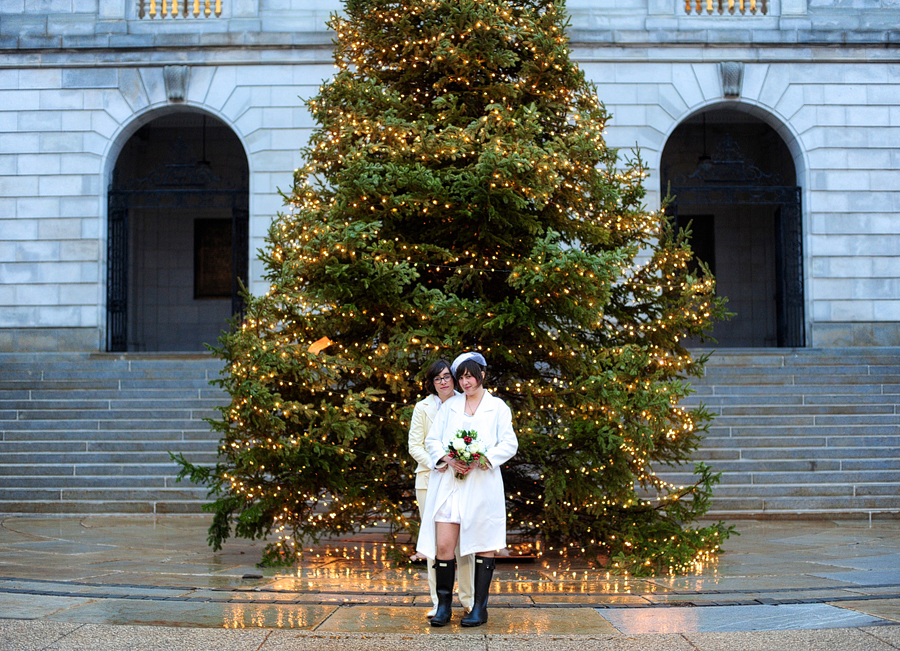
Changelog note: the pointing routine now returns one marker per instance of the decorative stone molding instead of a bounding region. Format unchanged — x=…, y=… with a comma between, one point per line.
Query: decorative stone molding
x=732, y=75
x=176, y=78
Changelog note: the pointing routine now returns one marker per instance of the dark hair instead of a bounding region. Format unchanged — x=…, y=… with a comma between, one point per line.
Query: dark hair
x=474, y=369
x=433, y=371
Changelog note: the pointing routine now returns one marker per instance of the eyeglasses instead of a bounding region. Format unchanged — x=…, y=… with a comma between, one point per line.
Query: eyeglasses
x=443, y=379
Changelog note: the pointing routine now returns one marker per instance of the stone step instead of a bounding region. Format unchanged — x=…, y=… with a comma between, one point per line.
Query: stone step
x=794, y=477
x=807, y=504
x=793, y=432
x=777, y=378
x=103, y=493
x=784, y=453
x=134, y=423
x=736, y=357
x=804, y=410
x=107, y=384
x=701, y=390
x=110, y=403
x=204, y=393
x=8, y=372
x=92, y=459
x=763, y=420
x=132, y=469
x=784, y=490
x=817, y=431
x=40, y=447
x=82, y=362
x=801, y=466
x=104, y=376
x=103, y=506
x=81, y=415
x=87, y=481
x=833, y=370
x=109, y=435
x=782, y=399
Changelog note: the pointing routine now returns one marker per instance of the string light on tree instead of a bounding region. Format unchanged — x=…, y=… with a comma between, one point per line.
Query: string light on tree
x=458, y=193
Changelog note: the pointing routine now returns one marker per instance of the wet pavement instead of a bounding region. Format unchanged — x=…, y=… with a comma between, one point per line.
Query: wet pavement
x=151, y=582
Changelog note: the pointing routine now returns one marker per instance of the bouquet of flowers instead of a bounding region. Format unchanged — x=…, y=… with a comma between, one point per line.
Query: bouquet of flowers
x=466, y=447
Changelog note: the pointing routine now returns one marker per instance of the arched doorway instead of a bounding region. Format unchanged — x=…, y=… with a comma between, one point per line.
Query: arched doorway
x=177, y=235
x=734, y=182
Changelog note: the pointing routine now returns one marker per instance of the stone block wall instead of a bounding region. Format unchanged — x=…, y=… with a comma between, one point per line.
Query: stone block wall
x=79, y=77
x=841, y=120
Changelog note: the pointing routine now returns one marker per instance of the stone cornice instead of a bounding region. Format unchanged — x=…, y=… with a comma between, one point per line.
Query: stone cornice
x=321, y=53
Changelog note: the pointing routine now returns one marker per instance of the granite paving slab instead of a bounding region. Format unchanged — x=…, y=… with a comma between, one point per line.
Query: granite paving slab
x=93, y=637
x=587, y=643
x=195, y=614
x=567, y=587
x=25, y=606
x=735, y=618
x=316, y=641
x=65, y=547
x=875, y=590
x=32, y=635
x=754, y=583
x=169, y=580
x=773, y=564
x=349, y=584
x=592, y=599
x=9, y=536
x=888, y=634
x=865, y=577
x=76, y=588
x=884, y=608
x=879, y=563
x=25, y=571
x=841, y=639
x=581, y=621
x=159, y=570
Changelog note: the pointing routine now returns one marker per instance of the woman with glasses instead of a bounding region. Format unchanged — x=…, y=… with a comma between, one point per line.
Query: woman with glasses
x=440, y=387
x=465, y=509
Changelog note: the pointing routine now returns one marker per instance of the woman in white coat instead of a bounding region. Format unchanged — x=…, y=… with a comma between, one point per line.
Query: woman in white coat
x=440, y=387
x=471, y=511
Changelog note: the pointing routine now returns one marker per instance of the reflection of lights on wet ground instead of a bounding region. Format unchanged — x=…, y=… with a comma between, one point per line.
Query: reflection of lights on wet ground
x=365, y=566
x=264, y=616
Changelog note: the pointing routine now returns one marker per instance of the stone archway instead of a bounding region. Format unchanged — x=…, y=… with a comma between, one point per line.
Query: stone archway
x=734, y=182
x=177, y=235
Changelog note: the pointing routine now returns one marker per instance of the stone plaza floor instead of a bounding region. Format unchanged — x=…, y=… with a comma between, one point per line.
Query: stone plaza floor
x=149, y=582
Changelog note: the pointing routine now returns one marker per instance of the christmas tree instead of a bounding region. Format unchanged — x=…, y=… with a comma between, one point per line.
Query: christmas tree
x=459, y=195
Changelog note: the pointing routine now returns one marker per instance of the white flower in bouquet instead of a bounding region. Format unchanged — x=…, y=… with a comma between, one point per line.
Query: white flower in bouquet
x=466, y=447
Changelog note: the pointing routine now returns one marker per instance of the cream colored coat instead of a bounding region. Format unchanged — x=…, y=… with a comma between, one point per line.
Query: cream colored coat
x=482, y=500
x=422, y=418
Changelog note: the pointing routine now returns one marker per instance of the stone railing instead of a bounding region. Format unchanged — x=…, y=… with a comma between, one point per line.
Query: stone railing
x=179, y=8
x=726, y=7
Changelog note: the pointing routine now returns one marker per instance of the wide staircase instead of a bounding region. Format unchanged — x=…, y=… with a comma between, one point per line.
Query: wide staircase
x=82, y=433
x=802, y=432
x=798, y=433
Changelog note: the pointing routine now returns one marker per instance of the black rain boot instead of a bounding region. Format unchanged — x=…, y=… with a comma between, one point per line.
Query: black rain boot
x=444, y=574
x=484, y=572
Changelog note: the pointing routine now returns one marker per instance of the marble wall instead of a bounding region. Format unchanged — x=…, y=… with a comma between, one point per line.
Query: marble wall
x=71, y=94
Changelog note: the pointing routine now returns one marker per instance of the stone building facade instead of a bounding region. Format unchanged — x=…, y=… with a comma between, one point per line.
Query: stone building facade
x=143, y=144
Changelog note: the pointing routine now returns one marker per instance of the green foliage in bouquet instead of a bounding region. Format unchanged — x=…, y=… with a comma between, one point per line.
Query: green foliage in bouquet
x=458, y=195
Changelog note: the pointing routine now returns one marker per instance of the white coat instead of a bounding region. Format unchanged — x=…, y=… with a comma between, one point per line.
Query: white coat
x=482, y=501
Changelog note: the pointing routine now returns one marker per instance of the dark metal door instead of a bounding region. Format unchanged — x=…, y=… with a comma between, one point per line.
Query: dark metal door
x=182, y=186
x=728, y=178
